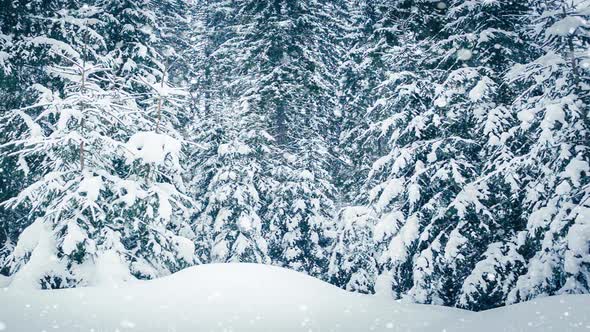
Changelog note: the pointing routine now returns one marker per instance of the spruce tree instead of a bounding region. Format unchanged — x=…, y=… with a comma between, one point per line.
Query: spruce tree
x=231, y=143
x=553, y=159
x=105, y=204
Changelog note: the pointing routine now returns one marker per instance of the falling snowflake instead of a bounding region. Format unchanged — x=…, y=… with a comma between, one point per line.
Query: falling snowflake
x=464, y=54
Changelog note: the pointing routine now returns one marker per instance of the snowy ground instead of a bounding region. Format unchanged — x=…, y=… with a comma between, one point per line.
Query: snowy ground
x=246, y=297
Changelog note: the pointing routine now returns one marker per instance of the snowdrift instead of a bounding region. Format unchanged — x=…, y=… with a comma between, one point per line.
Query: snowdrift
x=249, y=297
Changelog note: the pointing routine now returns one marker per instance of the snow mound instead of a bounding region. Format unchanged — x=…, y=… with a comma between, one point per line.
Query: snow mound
x=249, y=297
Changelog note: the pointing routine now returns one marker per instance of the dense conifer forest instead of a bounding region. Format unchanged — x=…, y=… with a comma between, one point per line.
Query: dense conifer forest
x=439, y=149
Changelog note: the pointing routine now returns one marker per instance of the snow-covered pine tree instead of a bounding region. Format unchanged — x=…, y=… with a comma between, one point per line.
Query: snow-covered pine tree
x=300, y=220
x=479, y=43
x=89, y=212
x=380, y=110
x=228, y=184
x=553, y=160
x=199, y=130
x=370, y=32
x=353, y=264
x=438, y=112
x=294, y=52
x=499, y=47
x=539, y=254
x=21, y=60
x=60, y=132
x=266, y=102
x=377, y=30
x=232, y=142
x=162, y=238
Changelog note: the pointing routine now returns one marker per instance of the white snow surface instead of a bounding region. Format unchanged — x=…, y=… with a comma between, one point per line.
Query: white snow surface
x=566, y=26
x=4, y=281
x=153, y=147
x=250, y=297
